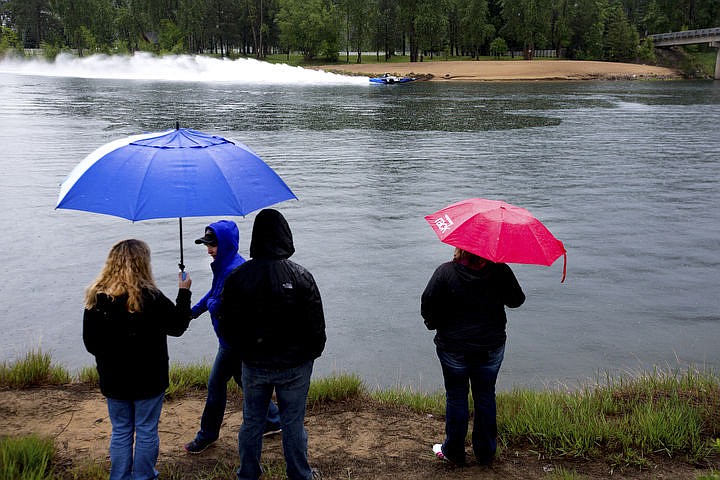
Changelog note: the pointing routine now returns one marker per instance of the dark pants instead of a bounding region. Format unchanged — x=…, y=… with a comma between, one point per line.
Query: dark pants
x=291, y=387
x=227, y=365
x=478, y=371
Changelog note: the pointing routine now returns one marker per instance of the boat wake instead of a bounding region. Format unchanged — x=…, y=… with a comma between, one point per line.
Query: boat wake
x=176, y=68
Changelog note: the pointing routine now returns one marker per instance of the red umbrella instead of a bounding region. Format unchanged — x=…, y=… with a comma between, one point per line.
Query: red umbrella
x=497, y=231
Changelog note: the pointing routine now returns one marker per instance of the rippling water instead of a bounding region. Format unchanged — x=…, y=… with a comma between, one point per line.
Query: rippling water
x=625, y=173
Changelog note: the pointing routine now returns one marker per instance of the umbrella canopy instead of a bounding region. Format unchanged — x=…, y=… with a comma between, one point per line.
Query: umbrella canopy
x=176, y=173
x=497, y=231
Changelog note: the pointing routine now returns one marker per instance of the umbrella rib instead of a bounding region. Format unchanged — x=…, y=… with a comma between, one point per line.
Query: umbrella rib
x=235, y=199
x=93, y=157
x=136, y=208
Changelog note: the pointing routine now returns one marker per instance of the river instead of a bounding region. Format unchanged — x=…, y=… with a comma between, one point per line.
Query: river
x=624, y=173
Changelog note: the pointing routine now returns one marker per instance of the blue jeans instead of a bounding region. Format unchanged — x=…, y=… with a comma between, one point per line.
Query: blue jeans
x=479, y=371
x=291, y=387
x=134, y=421
x=227, y=365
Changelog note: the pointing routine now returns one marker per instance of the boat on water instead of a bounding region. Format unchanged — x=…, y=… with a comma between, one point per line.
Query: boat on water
x=391, y=79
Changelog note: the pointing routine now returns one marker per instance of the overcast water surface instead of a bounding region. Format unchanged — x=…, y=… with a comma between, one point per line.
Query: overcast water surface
x=624, y=173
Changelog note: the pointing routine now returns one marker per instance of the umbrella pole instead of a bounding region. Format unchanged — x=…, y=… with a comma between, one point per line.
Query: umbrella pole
x=181, y=264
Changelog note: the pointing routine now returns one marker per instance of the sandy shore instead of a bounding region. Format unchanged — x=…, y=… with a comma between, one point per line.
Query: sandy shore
x=504, y=70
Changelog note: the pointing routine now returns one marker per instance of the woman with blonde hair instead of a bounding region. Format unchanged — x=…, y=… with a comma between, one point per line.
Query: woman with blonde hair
x=125, y=326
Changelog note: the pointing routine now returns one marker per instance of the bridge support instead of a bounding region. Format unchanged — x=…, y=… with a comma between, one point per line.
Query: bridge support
x=717, y=60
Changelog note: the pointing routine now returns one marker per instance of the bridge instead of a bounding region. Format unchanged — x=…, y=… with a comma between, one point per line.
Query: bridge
x=704, y=35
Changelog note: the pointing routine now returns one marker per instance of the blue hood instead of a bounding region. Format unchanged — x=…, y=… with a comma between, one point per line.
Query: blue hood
x=228, y=237
x=226, y=260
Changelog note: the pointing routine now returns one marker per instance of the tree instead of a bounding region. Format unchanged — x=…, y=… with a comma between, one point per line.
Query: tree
x=498, y=47
x=191, y=20
x=308, y=26
x=431, y=25
x=408, y=14
x=587, y=22
x=29, y=18
x=8, y=40
x=260, y=17
x=170, y=38
x=654, y=20
x=476, y=27
x=621, y=38
x=357, y=20
x=560, y=33
x=526, y=22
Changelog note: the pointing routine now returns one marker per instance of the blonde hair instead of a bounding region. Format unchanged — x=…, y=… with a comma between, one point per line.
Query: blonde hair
x=127, y=271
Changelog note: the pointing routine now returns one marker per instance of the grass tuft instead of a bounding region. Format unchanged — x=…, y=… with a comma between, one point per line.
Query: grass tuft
x=35, y=368
x=26, y=458
x=433, y=404
x=89, y=375
x=186, y=378
x=335, y=388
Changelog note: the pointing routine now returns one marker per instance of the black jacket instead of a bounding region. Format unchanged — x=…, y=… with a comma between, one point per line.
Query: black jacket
x=130, y=349
x=467, y=307
x=271, y=310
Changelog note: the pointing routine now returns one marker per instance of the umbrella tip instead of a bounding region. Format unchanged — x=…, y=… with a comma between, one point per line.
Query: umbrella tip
x=177, y=125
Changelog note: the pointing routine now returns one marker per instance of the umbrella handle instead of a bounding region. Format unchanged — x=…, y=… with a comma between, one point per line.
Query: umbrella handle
x=181, y=265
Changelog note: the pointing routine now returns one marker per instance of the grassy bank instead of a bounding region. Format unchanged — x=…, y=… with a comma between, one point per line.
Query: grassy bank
x=624, y=420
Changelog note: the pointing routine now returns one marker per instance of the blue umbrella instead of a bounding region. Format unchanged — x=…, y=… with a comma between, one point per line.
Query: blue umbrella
x=176, y=173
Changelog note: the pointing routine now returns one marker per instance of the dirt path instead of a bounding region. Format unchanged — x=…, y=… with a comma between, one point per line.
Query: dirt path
x=511, y=70
x=357, y=440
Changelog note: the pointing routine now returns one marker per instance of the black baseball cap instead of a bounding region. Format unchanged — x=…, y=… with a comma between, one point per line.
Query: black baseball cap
x=208, y=239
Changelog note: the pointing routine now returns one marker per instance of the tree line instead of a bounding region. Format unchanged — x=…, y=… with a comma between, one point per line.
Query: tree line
x=577, y=29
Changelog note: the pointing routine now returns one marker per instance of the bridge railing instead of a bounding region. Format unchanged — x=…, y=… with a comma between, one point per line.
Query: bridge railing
x=701, y=35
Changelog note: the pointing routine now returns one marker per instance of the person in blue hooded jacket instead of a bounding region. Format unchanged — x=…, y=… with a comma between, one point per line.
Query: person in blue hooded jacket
x=221, y=239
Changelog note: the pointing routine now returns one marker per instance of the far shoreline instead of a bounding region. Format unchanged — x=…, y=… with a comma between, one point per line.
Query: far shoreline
x=509, y=70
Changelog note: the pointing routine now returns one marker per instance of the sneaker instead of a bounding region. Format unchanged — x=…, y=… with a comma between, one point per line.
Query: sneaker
x=437, y=450
x=197, y=446
x=316, y=475
x=271, y=430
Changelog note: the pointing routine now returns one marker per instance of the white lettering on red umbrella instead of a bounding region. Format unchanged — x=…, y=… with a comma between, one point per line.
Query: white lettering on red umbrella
x=444, y=223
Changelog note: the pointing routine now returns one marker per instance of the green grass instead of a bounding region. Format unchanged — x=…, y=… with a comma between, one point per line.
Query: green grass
x=419, y=402
x=186, y=378
x=35, y=368
x=88, y=375
x=88, y=470
x=702, y=62
x=335, y=388
x=26, y=458
x=668, y=413
x=713, y=475
x=562, y=474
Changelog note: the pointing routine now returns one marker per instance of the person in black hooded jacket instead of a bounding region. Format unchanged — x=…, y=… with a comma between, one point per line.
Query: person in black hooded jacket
x=465, y=302
x=271, y=312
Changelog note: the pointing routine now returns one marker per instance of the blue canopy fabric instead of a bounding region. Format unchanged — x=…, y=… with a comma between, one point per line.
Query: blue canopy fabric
x=176, y=173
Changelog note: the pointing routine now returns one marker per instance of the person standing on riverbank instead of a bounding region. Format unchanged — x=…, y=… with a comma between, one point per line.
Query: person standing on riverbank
x=222, y=239
x=271, y=311
x=465, y=301
x=125, y=326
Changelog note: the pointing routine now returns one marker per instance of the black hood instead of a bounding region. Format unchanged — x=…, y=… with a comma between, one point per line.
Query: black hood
x=271, y=236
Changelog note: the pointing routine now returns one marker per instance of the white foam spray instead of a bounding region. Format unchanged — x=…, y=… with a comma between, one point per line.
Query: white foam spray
x=188, y=68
